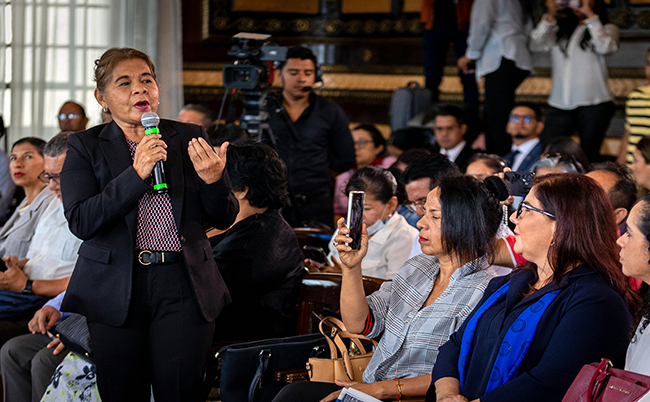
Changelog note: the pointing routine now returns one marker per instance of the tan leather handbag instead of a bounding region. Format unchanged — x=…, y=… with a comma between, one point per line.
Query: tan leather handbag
x=346, y=367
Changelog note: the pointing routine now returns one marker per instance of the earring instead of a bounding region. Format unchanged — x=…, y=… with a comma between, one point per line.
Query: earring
x=105, y=110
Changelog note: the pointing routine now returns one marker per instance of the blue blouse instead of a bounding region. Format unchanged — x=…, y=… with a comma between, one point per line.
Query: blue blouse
x=588, y=320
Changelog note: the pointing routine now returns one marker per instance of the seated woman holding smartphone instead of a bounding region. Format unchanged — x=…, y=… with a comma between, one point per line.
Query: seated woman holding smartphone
x=390, y=236
x=428, y=299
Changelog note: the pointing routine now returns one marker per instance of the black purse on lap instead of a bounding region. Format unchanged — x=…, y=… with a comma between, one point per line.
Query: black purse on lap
x=73, y=332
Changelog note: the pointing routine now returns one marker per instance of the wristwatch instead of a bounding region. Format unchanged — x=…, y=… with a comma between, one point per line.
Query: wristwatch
x=28, y=287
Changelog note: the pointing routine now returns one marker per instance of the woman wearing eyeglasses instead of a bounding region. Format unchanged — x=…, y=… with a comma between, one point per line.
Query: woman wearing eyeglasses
x=535, y=328
x=25, y=164
x=369, y=150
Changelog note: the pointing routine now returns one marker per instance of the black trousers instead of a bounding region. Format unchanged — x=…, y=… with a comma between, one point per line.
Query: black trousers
x=162, y=345
x=435, y=43
x=591, y=122
x=500, y=87
x=306, y=391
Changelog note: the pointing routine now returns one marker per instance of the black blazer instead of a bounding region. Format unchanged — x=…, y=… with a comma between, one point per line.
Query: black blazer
x=101, y=191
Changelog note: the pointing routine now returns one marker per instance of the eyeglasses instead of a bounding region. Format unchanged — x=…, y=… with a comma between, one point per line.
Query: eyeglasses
x=526, y=205
x=361, y=143
x=69, y=116
x=45, y=178
x=527, y=118
x=413, y=207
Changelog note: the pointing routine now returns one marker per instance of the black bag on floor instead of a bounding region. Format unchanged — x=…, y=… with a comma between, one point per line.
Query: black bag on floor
x=256, y=371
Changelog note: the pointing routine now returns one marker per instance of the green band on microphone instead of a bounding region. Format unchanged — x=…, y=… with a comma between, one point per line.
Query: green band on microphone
x=152, y=130
x=159, y=186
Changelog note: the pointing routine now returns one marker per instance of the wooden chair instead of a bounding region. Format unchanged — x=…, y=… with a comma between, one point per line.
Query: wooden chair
x=314, y=237
x=320, y=295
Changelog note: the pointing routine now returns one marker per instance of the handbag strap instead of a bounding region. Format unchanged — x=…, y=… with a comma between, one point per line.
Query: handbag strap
x=598, y=376
x=339, y=331
x=262, y=364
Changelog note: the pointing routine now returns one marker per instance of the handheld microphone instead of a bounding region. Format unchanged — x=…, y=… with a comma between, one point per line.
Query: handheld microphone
x=150, y=122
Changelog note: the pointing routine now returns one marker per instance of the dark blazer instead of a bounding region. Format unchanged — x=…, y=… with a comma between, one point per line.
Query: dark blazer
x=101, y=191
x=464, y=157
x=530, y=159
x=587, y=321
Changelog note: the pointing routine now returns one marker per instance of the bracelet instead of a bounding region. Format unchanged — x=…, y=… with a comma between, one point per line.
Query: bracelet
x=399, y=389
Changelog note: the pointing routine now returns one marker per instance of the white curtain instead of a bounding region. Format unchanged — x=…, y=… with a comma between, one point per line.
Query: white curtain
x=47, y=50
x=154, y=27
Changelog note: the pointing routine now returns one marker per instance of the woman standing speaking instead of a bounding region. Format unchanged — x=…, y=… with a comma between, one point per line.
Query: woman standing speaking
x=145, y=278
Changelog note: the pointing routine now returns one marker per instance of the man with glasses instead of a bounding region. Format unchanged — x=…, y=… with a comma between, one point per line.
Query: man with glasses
x=72, y=117
x=524, y=127
x=26, y=365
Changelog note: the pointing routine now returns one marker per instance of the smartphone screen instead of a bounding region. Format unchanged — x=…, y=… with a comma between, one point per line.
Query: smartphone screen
x=355, y=218
x=519, y=183
x=316, y=254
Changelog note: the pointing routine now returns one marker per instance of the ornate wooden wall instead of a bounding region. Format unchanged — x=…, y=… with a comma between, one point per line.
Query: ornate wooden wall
x=368, y=48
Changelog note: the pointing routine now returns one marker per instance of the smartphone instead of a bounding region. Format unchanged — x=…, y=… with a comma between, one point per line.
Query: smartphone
x=355, y=218
x=316, y=254
x=519, y=183
x=3, y=266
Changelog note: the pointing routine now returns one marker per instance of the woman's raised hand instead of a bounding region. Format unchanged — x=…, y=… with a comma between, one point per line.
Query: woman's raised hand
x=350, y=258
x=149, y=151
x=209, y=165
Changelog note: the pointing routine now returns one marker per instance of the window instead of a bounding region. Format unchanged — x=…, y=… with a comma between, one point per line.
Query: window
x=47, y=50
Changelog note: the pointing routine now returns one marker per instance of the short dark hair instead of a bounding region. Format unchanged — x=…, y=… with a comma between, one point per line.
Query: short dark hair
x=412, y=155
x=258, y=167
x=411, y=137
x=377, y=138
x=454, y=111
x=623, y=194
x=470, y=215
x=434, y=166
x=566, y=145
x=300, y=52
x=38, y=143
x=57, y=145
x=81, y=108
x=492, y=161
x=208, y=114
x=375, y=180
x=532, y=106
x=229, y=132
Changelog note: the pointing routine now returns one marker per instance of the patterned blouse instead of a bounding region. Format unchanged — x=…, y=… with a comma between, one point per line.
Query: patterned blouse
x=411, y=335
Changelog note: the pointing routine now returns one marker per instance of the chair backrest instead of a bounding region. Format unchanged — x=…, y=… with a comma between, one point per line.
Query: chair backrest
x=320, y=295
x=314, y=237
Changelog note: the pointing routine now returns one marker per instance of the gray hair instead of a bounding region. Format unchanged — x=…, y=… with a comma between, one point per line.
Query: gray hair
x=57, y=145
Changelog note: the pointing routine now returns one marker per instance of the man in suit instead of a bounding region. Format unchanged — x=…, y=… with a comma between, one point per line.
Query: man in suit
x=524, y=127
x=449, y=128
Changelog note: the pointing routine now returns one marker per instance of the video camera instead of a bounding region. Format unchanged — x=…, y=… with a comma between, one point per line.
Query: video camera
x=252, y=74
x=251, y=70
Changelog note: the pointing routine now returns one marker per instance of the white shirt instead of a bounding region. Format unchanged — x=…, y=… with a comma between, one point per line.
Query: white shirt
x=388, y=249
x=453, y=153
x=638, y=353
x=580, y=77
x=524, y=149
x=53, y=251
x=498, y=29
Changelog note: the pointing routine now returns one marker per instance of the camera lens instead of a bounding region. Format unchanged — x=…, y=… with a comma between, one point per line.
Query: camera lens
x=243, y=75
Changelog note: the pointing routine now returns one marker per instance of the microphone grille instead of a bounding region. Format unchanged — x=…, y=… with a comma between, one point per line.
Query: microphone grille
x=150, y=120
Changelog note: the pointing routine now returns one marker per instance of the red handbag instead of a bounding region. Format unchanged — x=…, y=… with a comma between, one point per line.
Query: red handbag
x=600, y=382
